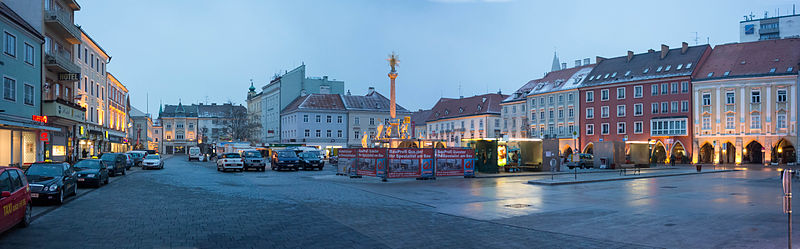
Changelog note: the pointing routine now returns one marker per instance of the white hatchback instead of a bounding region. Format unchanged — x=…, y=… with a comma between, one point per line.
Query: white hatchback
x=230, y=161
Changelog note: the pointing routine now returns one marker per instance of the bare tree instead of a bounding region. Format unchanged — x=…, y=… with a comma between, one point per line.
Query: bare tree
x=240, y=127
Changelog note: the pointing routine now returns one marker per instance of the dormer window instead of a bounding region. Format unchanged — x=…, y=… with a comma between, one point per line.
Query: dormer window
x=679, y=67
x=446, y=112
x=628, y=73
x=658, y=69
x=479, y=107
x=460, y=110
x=592, y=77
x=789, y=70
x=772, y=70
x=726, y=73
x=710, y=74
x=437, y=114
x=606, y=77
x=668, y=67
x=614, y=75
x=646, y=70
x=688, y=65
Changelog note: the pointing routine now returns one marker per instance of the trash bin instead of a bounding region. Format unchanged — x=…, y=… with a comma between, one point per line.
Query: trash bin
x=604, y=163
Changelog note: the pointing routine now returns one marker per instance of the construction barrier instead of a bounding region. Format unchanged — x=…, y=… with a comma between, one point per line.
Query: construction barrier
x=406, y=162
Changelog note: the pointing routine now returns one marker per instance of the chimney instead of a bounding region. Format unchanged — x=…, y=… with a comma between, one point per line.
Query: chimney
x=564, y=65
x=348, y=92
x=577, y=63
x=651, y=50
x=598, y=59
x=213, y=103
x=630, y=55
x=684, y=47
x=587, y=61
x=371, y=90
x=664, y=51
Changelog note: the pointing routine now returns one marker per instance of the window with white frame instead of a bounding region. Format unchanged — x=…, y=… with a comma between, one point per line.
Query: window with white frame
x=318, y=118
x=561, y=98
x=654, y=108
x=620, y=110
x=638, y=109
x=664, y=88
x=685, y=106
x=604, y=127
x=685, y=87
x=707, y=122
x=560, y=113
x=604, y=94
x=781, y=121
x=782, y=95
x=29, y=54
x=706, y=99
x=654, y=90
x=638, y=92
x=755, y=120
x=9, y=89
x=590, y=96
x=604, y=111
x=29, y=94
x=675, y=106
x=675, y=87
x=589, y=112
x=10, y=47
x=571, y=112
x=550, y=114
x=621, y=128
x=620, y=93
x=664, y=107
x=638, y=127
x=730, y=98
x=571, y=129
x=307, y=133
x=589, y=129
x=730, y=121
x=755, y=96
x=668, y=127
x=570, y=97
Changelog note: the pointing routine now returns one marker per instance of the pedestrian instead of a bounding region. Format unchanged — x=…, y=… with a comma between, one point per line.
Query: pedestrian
x=85, y=153
x=672, y=160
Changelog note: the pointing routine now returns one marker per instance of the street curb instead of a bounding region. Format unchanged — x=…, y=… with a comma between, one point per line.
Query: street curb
x=562, y=173
x=538, y=182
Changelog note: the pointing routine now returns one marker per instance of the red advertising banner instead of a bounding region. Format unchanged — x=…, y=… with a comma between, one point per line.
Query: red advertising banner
x=347, y=158
x=455, y=162
x=407, y=162
x=371, y=161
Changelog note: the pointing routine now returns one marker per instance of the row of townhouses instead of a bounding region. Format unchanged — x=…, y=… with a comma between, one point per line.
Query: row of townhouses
x=59, y=101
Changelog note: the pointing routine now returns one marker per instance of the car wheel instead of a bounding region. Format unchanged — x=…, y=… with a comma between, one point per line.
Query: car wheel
x=74, y=189
x=123, y=171
x=60, y=199
x=26, y=221
x=218, y=168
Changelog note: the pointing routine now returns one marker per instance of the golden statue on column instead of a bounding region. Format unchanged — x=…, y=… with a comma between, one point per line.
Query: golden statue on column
x=393, y=130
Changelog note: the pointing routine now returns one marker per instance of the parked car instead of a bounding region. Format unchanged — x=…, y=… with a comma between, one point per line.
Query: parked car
x=153, y=161
x=194, y=153
x=580, y=160
x=253, y=160
x=230, y=161
x=310, y=160
x=151, y=152
x=15, y=198
x=137, y=156
x=128, y=161
x=93, y=172
x=115, y=162
x=51, y=181
x=285, y=159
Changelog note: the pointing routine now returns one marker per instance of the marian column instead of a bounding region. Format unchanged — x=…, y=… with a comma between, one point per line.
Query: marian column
x=393, y=62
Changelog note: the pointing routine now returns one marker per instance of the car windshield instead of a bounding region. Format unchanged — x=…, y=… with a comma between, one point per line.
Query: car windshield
x=135, y=155
x=45, y=170
x=153, y=157
x=309, y=155
x=252, y=154
x=231, y=156
x=109, y=157
x=88, y=164
x=286, y=154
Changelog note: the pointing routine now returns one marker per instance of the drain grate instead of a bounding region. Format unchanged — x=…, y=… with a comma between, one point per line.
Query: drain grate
x=517, y=205
x=669, y=187
x=669, y=225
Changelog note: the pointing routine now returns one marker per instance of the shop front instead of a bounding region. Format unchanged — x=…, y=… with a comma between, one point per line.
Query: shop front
x=20, y=142
x=118, y=144
x=69, y=117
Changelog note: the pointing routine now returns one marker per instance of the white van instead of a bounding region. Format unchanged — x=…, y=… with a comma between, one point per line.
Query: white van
x=194, y=153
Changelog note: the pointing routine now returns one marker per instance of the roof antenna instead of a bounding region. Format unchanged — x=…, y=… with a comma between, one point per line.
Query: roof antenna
x=696, y=38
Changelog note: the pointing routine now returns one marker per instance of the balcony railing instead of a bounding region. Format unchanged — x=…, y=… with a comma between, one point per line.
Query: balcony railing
x=65, y=24
x=61, y=62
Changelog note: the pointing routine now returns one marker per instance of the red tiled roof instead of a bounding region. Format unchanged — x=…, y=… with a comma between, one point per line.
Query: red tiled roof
x=752, y=59
x=451, y=108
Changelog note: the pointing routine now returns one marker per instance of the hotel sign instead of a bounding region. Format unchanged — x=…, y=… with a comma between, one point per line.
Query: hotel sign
x=69, y=76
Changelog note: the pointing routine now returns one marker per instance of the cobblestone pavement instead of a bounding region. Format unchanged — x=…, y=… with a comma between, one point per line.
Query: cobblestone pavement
x=191, y=205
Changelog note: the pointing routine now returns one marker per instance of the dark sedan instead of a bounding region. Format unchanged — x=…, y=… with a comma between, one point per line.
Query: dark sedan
x=91, y=172
x=116, y=163
x=51, y=181
x=310, y=161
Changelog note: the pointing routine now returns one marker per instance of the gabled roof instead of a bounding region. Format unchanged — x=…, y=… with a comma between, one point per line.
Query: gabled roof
x=420, y=117
x=757, y=58
x=373, y=101
x=14, y=17
x=219, y=111
x=470, y=106
x=316, y=101
x=135, y=112
x=647, y=66
x=560, y=80
x=179, y=110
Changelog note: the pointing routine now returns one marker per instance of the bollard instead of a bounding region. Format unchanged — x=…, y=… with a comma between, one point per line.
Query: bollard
x=699, y=167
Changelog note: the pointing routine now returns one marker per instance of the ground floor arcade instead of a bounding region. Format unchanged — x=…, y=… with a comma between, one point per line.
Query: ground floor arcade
x=746, y=150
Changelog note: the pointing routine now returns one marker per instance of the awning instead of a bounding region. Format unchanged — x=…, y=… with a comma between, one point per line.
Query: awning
x=27, y=125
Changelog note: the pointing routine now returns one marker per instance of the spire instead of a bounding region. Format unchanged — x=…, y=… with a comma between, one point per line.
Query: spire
x=252, y=88
x=556, y=64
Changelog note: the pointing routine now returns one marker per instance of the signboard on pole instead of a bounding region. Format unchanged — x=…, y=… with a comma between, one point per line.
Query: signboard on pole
x=371, y=162
x=410, y=162
x=455, y=162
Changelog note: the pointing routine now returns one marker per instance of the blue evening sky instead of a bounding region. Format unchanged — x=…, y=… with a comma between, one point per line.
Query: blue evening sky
x=199, y=50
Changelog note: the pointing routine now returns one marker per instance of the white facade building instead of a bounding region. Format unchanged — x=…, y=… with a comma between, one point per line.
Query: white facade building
x=769, y=28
